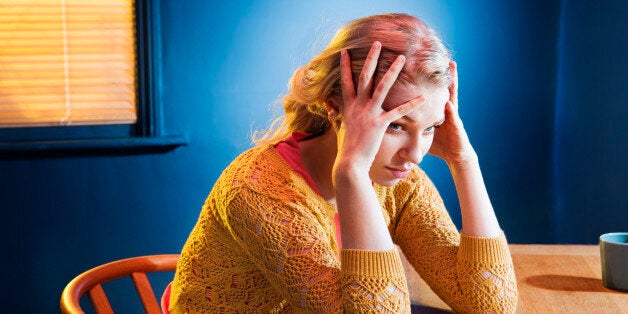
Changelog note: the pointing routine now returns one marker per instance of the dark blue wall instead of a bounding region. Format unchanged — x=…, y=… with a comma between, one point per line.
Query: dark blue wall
x=225, y=65
x=591, y=170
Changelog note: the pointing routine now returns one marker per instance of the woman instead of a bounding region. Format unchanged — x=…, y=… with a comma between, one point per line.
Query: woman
x=307, y=220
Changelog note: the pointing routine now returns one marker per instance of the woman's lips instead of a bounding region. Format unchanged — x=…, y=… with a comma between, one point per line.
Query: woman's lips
x=399, y=173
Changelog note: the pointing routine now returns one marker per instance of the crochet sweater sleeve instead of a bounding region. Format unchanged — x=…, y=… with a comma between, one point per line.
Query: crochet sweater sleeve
x=289, y=235
x=471, y=275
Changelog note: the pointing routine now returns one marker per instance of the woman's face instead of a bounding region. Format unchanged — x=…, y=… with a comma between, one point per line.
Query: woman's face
x=409, y=138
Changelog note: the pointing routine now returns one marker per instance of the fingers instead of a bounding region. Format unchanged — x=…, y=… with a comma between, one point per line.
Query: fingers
x=405, y=108
x=365, y=81
x=388, y=80
x=370, y=64
x=453, y=88
x=451, y=114
x=346, y=80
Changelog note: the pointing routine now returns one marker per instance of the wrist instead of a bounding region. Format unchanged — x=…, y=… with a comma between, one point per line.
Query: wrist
x=348, y=172
x=463, y=162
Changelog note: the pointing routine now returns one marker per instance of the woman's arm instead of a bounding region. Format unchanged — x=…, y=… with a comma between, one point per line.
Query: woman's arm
x=470, y=274
x=478, y=217
x=452, y=144
x=286, y=232
x=359, y=136
x=366, y=240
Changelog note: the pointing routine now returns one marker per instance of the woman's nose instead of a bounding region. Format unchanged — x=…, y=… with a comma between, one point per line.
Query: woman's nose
x=412, y=152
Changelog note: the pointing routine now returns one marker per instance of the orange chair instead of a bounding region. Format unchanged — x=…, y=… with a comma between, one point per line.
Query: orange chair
x=136, y=267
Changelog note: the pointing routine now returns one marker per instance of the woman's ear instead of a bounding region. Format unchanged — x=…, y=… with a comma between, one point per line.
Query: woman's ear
x=332, y=108
x=333, y=112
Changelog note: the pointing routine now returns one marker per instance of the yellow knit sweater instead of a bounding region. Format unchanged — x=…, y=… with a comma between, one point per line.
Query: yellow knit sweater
x=265, y=242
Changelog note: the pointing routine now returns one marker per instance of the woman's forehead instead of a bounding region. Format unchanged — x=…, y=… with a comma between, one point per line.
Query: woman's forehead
x=402, y=93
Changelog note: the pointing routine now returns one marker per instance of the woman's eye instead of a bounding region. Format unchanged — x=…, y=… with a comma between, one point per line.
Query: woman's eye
x=430, y=130
x=395, y=127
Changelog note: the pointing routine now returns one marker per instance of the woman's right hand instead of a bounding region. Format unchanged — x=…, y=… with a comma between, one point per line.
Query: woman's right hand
x=364, y=121
x=359, y=135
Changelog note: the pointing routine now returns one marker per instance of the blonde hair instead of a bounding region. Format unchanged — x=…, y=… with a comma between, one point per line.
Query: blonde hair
x=427, y=62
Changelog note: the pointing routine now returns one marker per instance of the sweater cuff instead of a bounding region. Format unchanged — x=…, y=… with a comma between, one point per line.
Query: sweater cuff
x=371, y=263
x=490, y=250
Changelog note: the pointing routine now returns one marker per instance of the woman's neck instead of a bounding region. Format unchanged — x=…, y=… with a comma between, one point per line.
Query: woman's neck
x=318, y=155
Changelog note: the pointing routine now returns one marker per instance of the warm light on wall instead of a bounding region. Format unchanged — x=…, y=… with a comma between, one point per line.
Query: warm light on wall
x=65, y=62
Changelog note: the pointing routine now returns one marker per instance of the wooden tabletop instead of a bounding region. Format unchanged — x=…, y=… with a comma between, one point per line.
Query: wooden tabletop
x=550, y=279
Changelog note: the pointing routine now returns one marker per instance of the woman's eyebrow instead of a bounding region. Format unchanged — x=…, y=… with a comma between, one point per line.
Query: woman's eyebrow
x=411, y=119
x=406, y=117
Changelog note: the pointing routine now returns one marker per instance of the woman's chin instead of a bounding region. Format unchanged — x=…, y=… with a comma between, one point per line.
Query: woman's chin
x=387, y=182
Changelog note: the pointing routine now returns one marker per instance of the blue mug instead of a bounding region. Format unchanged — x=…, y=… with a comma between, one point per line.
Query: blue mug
x=614, y=255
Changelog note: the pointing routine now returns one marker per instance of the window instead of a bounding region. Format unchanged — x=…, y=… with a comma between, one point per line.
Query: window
x=79, y=74
x=67, y=63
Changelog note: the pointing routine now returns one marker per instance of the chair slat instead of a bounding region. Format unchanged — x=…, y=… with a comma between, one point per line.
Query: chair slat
x=99, y=300
x=90, y=282
x=145, y=291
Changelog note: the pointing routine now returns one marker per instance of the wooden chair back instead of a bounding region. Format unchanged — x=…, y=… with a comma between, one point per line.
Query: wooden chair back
x=136, y=267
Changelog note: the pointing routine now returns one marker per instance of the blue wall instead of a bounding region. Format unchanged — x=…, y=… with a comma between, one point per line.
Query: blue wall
x=544, y=107
x=590, y=166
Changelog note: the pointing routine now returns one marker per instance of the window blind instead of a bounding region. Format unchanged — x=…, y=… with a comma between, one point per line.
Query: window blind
x=67, y=62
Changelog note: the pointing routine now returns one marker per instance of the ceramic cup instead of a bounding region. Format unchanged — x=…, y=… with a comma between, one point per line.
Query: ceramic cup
x=614, y=254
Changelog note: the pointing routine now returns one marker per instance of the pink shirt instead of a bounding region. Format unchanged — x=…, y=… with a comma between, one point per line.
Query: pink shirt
x=288, y=149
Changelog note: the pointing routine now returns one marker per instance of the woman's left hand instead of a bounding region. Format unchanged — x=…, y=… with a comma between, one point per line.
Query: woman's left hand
x=451, y=142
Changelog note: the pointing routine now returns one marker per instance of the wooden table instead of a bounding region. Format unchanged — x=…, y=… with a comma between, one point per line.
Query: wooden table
x=550, y=279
